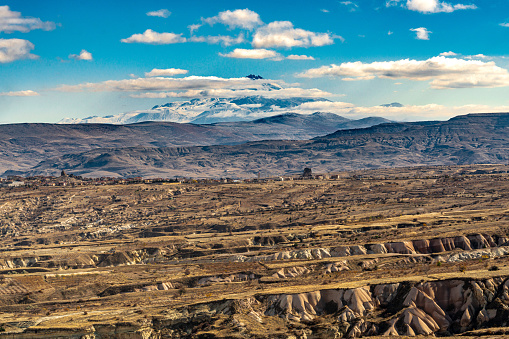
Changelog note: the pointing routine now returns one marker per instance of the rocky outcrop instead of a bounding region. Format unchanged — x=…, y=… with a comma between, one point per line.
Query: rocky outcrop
x=493, y=246
x=227, y=279
x=119, y=331
x=336, y=267
x=442, y=307
x=474, y=246
x=291, y=272
x=446, y=307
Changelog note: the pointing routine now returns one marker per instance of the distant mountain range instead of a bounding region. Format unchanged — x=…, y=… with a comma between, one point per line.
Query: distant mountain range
x=23, y=146
x=468, y=139
x=205, y=111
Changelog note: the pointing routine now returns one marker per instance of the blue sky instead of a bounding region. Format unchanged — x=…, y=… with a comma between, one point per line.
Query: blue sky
x=81, y=58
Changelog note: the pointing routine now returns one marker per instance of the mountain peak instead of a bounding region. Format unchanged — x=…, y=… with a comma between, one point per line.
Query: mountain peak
x=207, y=110
x=254, y=77
x=392, y=104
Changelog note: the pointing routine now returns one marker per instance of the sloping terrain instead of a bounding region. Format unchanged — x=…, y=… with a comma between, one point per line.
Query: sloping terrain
x=23, y=146
x=469, y=139
x=393, y=252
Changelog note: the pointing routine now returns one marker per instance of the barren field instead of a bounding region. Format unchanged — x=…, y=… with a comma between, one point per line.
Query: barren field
x=394, y=252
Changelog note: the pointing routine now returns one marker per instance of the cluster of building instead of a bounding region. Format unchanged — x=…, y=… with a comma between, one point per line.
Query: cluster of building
x=73, y=180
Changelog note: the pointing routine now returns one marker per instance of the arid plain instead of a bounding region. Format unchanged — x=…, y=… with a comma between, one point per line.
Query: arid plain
x=407, y=251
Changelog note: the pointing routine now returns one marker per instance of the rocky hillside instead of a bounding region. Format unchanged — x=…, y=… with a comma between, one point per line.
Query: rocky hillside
x=23, y=146
x=469, y=139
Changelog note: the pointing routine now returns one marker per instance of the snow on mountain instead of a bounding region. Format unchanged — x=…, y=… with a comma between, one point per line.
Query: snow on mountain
x=203, y=111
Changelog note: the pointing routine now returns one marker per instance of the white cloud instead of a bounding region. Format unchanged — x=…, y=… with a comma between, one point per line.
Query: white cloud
x=27, y=93
x=450, y=53
x=421, y=33
x=299, y=57
x=194, y=27
x=239, y=18
x=15, y=49
x=84, y=55
x=283, y=34
x=435, y=6
x=442, y=72
x=13, y=22
x=404, y=113
x=162, y=13
x=324, y=106
x=477, y=56
x=165, y=72
x=197, y=87
x=504, y=24
x=154, y=38
x=392, y=3
x=234, y=93
x=240, y=53
x=351, y=5
x=324, y=10
x=390, y=33
x=167, y=84
x=224, y=40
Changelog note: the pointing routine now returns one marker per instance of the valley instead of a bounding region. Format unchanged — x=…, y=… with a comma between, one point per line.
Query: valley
x=409, y=251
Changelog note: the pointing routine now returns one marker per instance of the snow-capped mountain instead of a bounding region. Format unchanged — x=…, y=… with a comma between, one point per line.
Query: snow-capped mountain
x=204, y=111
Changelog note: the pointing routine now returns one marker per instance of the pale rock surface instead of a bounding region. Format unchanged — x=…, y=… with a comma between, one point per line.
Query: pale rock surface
x=291, y=272
x=336, y=267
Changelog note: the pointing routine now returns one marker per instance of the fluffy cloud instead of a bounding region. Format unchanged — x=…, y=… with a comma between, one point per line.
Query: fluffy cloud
x=240, y=53
x=197, y=87
x=224, y=40
x=234, y=93
x=15, y=49
x=27, y=93
x=443, y=72
x=13, y=22
x=239, y=18
x=162, y=13
x=283, y=34
x=299, y=57
x=421, y=33
x=165, y=72
x=505, y=24
x=435, y=6
x=168, y=84
x=450, y=53
x=84, y=55
x=154, y=38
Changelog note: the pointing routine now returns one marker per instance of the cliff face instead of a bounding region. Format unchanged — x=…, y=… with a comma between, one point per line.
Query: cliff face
x=445, y=307
x=441, y=307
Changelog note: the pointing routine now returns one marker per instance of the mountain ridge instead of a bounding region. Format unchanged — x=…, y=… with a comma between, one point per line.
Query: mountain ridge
x=23, y=146
x=471, y=139
x=204, y=111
